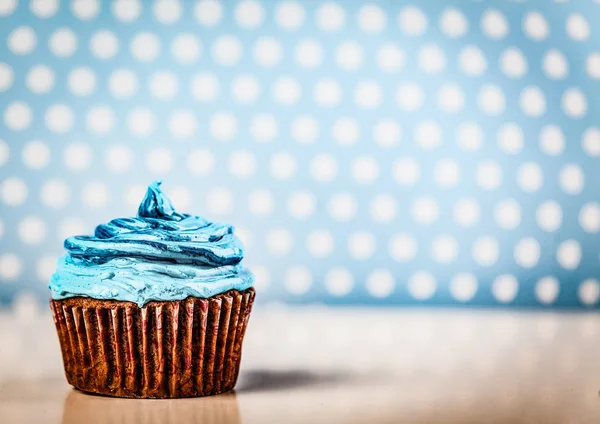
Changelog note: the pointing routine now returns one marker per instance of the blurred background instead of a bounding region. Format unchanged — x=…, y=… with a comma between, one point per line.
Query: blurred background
x=380, y=153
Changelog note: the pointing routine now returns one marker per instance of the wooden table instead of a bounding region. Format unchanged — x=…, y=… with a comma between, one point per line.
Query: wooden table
x=321, y=365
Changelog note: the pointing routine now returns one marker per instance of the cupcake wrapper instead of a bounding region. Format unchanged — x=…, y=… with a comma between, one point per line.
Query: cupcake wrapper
x=170, y=349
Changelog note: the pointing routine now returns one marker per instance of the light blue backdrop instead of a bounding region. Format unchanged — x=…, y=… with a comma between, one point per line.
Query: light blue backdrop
x=383, y=153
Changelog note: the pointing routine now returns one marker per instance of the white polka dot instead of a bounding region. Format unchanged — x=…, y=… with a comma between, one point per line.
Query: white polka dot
x=549, y=216
x=431, y=59
x=412, y=21
x=118, y=158
x=100, y=120
x=578, y=27
x=345, y=131
x=428, y=134
x=104, y=45
x=126, y=10
x=85, y=9
x=59, y=118
x=245, y=89
x=527, y=252
x=451, y=98
x=96, y=194
x=387, y=133
x=361, y=245
x=182, y=124
x=422, y=285
x=555, y=65
x=488, y=175
x=510, y=138
x=469, y=136
x=242, y=164
x=425, y=210
x=75, y=226
x=301, y=204
x=208, y=12
x=135, y=194
x=530, y=177
x=319, y=243
x=471, y=61
x=201, y=162
x=513, y=63
x=81, y=81
x=40, y=79
x=444, y=249
x=46, y=266
x=406, y=171
x=6, y=76
x=589, y=217
x=463, y=286
x=453, y=23
x=22, y=40
x=589, y=292
x=4, y=152
x=446, y=173
x=13, y=191
x=546, y=290
x=10, y=266
x=279, y=242
x=339, y=281
x=205, y=87
x=186, y=48
x=249, y=14
x=262, y=277
x=327, y=92
x=219, y=201
x=141, y=122
x=286, y=91
x=77, y=156
x=552, y=140
x=380, y=283
x=349, y=55
x=330, y=17
x=494, y=24
x=571, y=179
x=63, y=42
x=308, y=53
x=31, y=230
x=390, y=58
x=298, y=280
x=145, y=46
x=485, y=251
x=289, y=15
x=223, y=126
x=535, y=26
x=574, y=103
x=505, y=288
x=260, y=202
x=122, y=83
x=466, y=212
x=7, y=7
x=55, y=194
x=17, y=116
x=490, y=99
x=507, y=214
x=383, y=208
x=568, y=254
x=305, y=129
x=323, y=167
x=410, y=96
x=167, y=12
x=267, y=51
x=342, y=207
x=264, y=128
x=36, y=154
x=159, y=160
x=164, y=85
x=371, y=19
x=282, y=166
x=367, y=94
x=592, y=65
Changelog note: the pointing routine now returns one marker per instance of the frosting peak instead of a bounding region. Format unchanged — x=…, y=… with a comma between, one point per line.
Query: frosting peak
x=159, y=255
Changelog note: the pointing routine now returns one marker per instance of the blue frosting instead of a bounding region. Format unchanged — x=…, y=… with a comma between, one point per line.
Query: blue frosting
x=159, y=255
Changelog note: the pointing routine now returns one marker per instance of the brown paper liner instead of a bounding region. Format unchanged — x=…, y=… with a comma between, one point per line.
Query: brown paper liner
x=185, y=348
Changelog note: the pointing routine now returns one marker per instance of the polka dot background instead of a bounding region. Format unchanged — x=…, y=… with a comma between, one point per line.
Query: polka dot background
x=369, y=152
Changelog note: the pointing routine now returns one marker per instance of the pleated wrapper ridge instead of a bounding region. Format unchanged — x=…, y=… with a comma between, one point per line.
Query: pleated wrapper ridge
x=169, y=349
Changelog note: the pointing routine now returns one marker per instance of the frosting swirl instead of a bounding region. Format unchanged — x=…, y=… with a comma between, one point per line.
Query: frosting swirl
x=159, y=255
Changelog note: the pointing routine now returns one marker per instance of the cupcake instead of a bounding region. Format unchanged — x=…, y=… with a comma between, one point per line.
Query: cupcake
x=154, y=306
